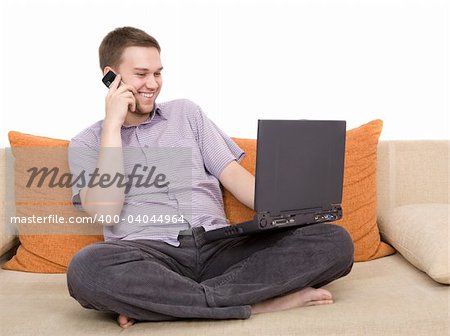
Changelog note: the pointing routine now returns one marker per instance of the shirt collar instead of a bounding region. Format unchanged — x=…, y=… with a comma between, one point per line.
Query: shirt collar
x=160, y=112
x=157, y=111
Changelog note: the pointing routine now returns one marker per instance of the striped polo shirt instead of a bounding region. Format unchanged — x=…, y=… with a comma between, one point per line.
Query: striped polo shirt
x=180, y=142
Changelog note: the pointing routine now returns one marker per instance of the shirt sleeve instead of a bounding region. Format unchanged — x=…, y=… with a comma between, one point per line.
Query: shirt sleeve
x=217, y=148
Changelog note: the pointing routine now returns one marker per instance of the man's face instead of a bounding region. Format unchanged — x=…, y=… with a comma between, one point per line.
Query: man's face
x=141, y=67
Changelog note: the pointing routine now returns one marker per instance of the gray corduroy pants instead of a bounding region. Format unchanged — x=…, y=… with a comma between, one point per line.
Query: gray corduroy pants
x=150, y=280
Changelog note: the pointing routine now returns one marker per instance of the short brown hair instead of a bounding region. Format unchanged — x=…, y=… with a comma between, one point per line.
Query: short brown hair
x=113, y=45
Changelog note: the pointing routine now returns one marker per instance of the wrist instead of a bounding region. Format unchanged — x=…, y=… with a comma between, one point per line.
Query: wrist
x=110, y=125
x=111, y=136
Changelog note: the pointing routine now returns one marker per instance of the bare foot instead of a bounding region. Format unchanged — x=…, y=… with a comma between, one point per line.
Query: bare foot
x=124, y=321
x=305, y=297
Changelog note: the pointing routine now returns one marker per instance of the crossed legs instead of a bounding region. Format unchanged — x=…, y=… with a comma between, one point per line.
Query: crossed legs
x=153, y=281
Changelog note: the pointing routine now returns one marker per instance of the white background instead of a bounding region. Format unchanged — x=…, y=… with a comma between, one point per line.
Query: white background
x=239, y=60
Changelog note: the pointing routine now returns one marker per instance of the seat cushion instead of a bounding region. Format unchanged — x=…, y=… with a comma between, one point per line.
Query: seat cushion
x=386, y=296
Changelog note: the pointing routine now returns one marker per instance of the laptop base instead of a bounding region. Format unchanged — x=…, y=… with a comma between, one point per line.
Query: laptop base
x=265, y=222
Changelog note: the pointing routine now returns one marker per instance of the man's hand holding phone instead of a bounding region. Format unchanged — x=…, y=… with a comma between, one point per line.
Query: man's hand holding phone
x=118, y=101
x=109, y=201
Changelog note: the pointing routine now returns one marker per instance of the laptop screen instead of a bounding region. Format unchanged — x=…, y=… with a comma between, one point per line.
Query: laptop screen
x=299, y=164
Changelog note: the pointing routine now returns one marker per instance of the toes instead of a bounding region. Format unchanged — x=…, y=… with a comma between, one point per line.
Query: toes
x=124, y=322
x=324, y=294
x=122, y=319
x=319, y=302
x=128, y=324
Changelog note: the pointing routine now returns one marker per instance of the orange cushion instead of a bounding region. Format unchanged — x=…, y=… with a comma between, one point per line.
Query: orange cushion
x=359, y=192
x=235, y=211
x=52, y=253
x=46, y=248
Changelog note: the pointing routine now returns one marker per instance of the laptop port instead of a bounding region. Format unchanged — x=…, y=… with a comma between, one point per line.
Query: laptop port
x=280, y=221
x=283, y=221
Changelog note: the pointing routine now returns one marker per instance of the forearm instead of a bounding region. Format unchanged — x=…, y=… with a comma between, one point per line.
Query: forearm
x=98, y=199
x=108, y=199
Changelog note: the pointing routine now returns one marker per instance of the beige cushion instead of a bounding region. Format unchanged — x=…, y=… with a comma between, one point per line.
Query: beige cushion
x=420, y=232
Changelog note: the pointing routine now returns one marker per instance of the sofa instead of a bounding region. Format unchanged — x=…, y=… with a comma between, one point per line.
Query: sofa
x=404, y=293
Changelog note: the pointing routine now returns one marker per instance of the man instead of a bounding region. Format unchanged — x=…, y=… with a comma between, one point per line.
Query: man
x=151, y=272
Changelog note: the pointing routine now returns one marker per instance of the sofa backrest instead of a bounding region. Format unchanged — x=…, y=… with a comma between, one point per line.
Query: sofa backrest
x=408, y=172
x=412, y=172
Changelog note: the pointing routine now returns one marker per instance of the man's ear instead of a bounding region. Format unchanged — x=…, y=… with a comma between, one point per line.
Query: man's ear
x=108, y=68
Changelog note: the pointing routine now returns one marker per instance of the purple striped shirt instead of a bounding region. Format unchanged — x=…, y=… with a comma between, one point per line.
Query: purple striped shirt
x=178, y=123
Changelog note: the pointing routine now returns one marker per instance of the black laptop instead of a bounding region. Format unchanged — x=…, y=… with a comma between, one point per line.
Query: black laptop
x=299, y=176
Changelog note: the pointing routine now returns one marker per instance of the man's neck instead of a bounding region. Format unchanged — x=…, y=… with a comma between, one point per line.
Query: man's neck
x=134, y=119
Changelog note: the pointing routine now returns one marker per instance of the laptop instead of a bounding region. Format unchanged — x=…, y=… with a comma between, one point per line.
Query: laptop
x=299, y=176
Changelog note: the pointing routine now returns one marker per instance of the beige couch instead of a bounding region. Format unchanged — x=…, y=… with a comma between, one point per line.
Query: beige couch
x=387, y=296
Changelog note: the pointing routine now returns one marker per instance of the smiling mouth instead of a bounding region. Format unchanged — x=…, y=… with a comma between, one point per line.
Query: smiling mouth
x=146, y=94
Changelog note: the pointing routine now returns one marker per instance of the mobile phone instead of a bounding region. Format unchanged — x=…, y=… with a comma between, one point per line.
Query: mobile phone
x=109, y=78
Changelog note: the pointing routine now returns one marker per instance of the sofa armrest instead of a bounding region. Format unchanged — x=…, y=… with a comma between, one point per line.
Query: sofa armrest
x=8, y=239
